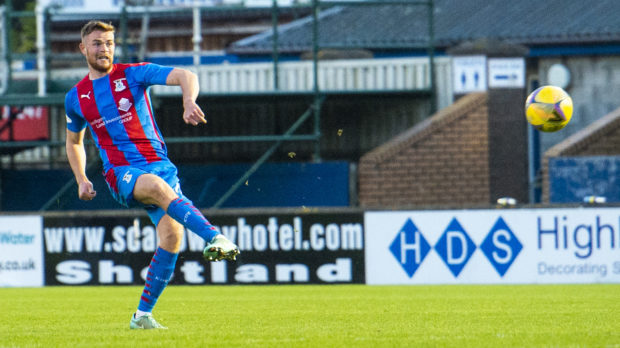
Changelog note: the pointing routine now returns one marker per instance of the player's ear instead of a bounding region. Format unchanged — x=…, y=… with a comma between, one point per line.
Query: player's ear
x=82, y=47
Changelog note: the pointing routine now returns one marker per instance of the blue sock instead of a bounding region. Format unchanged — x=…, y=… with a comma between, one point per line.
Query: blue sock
x=157, y=277
x=183, y=211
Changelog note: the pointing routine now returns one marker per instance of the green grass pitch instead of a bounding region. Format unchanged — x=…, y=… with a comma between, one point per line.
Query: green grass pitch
x=317, y=316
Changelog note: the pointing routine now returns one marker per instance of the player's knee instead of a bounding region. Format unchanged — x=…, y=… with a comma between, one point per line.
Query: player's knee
x=155, y=190
x=158, y=189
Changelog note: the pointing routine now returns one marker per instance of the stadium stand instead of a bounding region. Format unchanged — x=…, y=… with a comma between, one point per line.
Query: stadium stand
x=169, y=34
x=353, y=122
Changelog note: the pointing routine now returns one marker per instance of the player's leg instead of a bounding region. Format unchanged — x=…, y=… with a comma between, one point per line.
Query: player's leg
x=152, y=189
x=159, y=272
x=218, y=247
x=130, y=185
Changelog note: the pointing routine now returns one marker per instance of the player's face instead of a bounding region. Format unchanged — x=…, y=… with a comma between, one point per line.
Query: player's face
x=98, y=48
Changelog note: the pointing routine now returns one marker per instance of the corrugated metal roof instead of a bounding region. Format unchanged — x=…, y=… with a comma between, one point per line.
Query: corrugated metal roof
x=528, y=22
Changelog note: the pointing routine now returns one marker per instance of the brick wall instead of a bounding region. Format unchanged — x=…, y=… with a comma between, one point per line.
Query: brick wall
x=444, y=160
x=600, y=138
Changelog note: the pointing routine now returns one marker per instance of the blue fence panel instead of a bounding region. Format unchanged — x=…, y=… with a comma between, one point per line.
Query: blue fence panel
x=574, y=178
x=29, y=190
x=272, y=185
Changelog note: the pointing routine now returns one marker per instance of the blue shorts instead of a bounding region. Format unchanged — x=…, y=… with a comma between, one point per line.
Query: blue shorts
x=121, y=181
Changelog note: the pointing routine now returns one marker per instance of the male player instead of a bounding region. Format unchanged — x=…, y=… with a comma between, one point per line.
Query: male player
x=113, y=101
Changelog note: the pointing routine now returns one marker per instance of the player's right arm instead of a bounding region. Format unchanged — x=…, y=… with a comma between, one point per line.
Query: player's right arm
x=74, y=145
x=76, y=154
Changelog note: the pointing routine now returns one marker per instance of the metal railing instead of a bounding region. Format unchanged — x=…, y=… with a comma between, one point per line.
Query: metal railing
x=351, y=75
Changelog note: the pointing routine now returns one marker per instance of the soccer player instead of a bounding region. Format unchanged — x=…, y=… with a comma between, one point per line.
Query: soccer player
x=114, y=102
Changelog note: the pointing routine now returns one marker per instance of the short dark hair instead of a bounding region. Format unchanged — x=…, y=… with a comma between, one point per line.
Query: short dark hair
x=96, y=25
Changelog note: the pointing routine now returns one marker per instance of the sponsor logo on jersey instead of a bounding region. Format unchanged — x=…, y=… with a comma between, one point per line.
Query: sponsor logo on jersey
x=124, y=104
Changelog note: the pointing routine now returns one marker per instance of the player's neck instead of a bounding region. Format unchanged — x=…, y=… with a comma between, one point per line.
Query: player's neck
x=94, y=74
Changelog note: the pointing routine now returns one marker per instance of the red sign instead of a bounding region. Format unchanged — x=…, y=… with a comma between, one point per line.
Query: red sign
x=24, y=123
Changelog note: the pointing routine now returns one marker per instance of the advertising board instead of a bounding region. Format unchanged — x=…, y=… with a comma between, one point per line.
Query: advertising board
x=569, y=245
x=282, y=248
x=24, y=123
x=21, y=251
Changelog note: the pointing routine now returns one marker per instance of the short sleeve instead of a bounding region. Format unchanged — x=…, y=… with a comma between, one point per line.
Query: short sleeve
x=150, y=74
x=75, y=122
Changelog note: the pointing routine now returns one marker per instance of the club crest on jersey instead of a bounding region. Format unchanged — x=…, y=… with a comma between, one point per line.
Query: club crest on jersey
x=119, y=85
x=127, y=177
x=124, y=104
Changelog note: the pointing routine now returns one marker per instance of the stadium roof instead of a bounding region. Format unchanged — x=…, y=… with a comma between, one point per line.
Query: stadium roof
x=527, y=22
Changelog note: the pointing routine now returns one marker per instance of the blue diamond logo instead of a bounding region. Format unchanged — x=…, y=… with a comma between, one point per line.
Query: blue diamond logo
x=409, y=248
x=455, y=247
x=501, y=246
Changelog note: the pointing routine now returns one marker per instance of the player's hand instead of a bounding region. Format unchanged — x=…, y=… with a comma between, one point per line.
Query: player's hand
x=192, y=114
x=86, y=191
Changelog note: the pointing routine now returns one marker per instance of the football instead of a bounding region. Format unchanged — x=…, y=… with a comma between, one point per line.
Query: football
x=549, y=108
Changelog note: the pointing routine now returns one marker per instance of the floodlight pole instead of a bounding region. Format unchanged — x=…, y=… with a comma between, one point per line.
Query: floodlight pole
x=40, y=43
x=315, y=70
x=315, y=45
x=274, y=52
x=431, y=55
x=8, y=8
x=47, y=41
x=124, y=36
x=144, y=38
x=3, y=48
x=197, y=38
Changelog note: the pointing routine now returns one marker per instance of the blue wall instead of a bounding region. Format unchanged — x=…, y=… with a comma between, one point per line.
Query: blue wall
x=273, y=185
x=27, y=190
x=573, y=178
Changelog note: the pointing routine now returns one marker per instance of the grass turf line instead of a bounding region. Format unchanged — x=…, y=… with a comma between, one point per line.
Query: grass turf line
x=317, y=316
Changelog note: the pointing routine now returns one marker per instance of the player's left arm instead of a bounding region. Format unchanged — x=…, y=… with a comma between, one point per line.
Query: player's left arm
x=192, y=114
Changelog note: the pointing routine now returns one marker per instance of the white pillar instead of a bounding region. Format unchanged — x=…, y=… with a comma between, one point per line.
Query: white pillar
x=4, y=65
x=197, y=38
x=40, y=14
